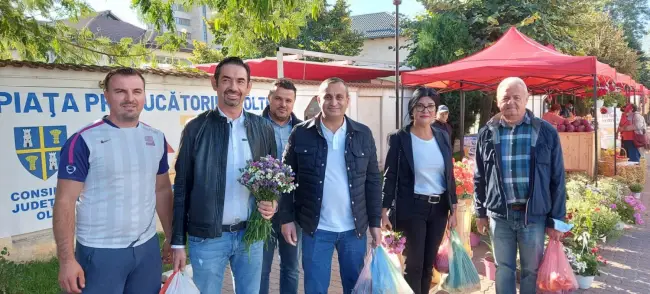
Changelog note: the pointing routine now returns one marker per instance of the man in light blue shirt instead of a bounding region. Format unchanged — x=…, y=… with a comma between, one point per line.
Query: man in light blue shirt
x=211, y=208
x=279, y=112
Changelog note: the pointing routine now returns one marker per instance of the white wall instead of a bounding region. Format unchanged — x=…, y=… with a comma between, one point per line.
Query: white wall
x=69, y=100
x=379, y=49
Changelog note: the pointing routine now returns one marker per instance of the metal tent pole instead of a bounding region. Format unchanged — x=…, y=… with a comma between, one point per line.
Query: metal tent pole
x=397, y=99
x=595, y=177
x=462, y=122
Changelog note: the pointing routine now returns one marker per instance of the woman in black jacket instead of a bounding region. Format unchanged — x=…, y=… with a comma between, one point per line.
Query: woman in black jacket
x=419, y=180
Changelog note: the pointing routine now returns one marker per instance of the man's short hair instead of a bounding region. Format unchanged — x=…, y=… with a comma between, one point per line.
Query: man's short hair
x=122, y=71
x=235, y=61
x=285, y=84
x=323, y=86
x=512, y=81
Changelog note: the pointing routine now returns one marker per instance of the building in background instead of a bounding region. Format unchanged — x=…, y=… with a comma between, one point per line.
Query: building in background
x=192, y=21
x=378, y=30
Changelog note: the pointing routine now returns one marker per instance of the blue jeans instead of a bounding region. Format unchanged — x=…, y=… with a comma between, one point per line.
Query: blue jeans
x=122, y=270
x=289, y=256
x=507, y=236
x=317, y=254
x=632, y=151
x=209, y=258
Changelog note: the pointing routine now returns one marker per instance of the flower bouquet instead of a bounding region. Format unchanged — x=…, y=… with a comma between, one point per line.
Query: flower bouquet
x=394, y=242
x=266, y=179
x=464, y=174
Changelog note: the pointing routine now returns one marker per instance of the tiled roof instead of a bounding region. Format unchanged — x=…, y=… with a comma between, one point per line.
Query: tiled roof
x=106, y=24
x=189, y=73
x=98, y=68
x=374, y=25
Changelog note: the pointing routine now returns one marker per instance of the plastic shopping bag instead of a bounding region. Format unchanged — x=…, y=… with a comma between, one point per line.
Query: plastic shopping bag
x=179, y=283
x=364, y=283
x=555, y=273
x=462, y=277
x=381, y=276
x=442, y=259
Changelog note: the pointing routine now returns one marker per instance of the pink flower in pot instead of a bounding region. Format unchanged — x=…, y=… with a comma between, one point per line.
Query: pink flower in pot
x=474, y=239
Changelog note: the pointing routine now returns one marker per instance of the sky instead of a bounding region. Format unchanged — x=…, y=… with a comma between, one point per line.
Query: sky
x=122, y=8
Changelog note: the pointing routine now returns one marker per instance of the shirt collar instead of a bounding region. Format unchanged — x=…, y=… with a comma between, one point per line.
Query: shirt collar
x=289, y=123
x=343, y=129
x=239, y=120
x=526, y=120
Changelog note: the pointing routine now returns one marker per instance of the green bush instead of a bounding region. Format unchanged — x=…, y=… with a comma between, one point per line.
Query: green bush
x=636, y=188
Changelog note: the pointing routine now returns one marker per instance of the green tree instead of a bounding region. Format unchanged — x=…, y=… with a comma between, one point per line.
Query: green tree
x=599, y=36
x=633, y=15
x=203, y=53
x=330, y=32
x=442, y=38
x=238, y=24
x=36, y=31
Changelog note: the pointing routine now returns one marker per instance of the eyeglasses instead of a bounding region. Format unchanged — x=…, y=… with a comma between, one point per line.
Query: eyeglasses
x=430, y=107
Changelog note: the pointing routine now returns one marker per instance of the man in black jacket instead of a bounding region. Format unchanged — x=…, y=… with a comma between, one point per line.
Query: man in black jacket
x=209, y=204
x=338, y=195
x=279, y=112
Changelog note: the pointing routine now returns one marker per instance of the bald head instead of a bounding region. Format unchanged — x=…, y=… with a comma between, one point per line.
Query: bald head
x=512, y=97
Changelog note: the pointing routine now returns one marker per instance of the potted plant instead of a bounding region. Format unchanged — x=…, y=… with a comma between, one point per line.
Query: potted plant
x=585, y=266
x=488, y=261
x=636, y=188
x=583, y=255
x=474, y=237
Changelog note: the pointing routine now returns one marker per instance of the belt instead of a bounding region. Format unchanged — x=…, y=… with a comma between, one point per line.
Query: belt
x=518, y=206
x=234, y=228
x=432, y=199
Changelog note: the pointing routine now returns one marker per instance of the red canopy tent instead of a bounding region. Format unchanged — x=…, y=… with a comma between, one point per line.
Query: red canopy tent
x=307, y=70
x=514, y=54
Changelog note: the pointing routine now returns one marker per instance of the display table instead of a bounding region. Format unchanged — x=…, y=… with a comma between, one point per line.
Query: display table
x=578, y=151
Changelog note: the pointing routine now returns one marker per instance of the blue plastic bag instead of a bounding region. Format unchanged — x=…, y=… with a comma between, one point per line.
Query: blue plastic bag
x=380, y=275
x=463, y=276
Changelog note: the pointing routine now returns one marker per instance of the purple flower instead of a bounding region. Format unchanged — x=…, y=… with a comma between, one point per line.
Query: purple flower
x=613, y=206
x=402, y=240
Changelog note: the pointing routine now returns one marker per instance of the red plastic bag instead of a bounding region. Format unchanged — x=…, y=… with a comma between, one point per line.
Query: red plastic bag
x=555, y=274
x=442, y=259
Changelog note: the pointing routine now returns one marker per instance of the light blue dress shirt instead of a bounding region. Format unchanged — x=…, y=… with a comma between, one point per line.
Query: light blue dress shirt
x=237, y=202
x=336, y=208
x=281, y=134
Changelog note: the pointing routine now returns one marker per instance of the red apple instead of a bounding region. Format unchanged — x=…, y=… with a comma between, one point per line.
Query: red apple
x=561, y=128
x=570, y=128
x=581, y=128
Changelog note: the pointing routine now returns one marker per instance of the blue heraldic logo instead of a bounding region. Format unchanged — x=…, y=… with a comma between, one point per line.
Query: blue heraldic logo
x=38, y=149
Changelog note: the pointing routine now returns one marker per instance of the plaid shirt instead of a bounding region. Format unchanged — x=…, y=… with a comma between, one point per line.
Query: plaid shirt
x=515, y=159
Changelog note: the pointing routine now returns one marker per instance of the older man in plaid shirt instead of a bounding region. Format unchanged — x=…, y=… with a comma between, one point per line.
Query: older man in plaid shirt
x=519, y=186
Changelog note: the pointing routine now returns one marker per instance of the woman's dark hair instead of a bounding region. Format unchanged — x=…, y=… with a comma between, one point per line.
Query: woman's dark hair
x=556, y=107
x=418, y=94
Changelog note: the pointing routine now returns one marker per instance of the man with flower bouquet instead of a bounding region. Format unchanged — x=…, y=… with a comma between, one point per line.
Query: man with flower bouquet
x=338, y=194
x=210, y=204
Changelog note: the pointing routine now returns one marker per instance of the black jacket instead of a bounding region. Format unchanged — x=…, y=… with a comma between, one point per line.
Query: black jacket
x=399, y=178
x=199, y=186
x=547, y=186
x=306, y=153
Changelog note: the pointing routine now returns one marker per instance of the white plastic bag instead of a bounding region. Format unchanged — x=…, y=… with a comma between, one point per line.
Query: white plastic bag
x=179, y=283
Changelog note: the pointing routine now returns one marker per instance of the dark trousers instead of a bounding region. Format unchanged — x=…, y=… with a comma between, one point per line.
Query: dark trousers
x=424, y=232
x=121, y=270
x=289, y=256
